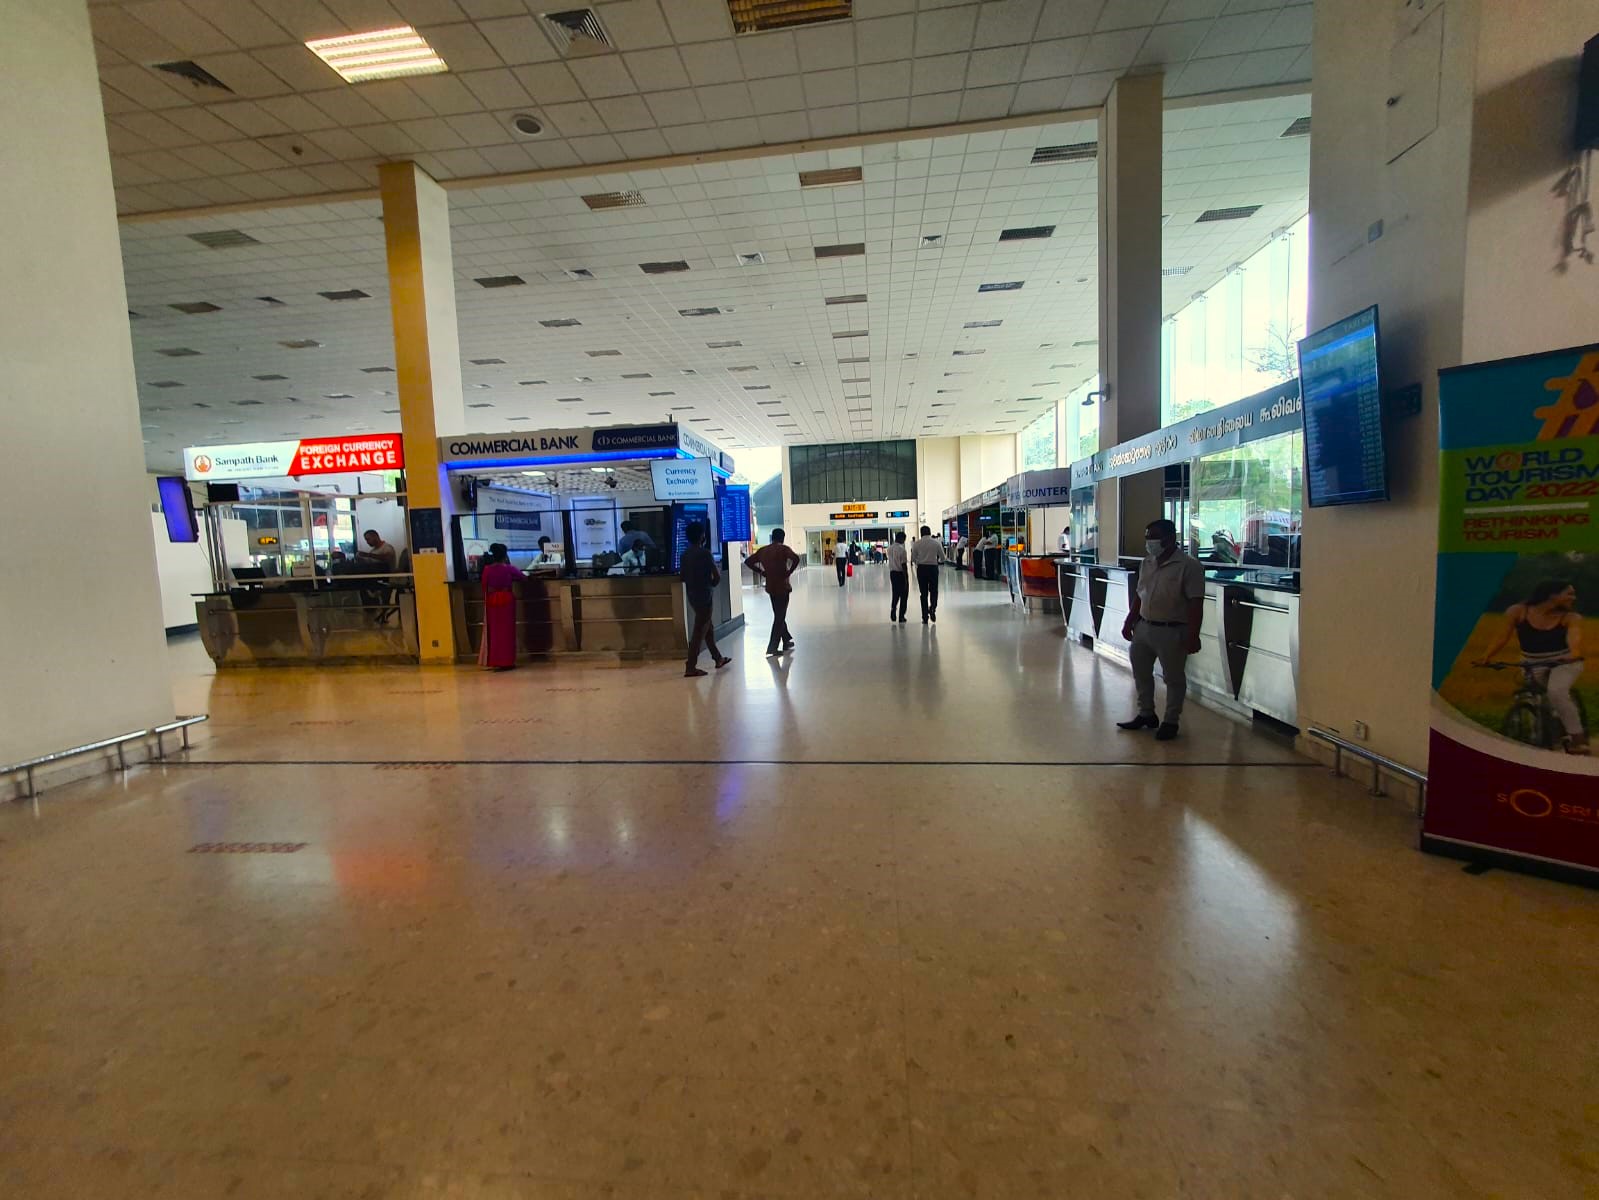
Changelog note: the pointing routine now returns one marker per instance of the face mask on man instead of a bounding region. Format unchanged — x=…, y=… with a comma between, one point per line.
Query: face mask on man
x=1154, y=547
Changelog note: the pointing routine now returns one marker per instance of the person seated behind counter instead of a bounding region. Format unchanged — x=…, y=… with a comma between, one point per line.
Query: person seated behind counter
x=378, y=552
x=545, y=557
x=632, y=534
x=636, y=558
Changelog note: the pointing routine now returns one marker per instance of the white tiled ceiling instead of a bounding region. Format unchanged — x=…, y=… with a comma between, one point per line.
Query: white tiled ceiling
x=785, y=377
x=678, y=81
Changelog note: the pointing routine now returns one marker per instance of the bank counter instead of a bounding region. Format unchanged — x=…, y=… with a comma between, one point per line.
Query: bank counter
x=1231, y=484
x=267, y=626
x=614, y=615
x=1033, y=579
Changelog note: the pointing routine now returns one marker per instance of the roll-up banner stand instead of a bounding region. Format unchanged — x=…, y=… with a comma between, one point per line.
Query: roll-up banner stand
x=1511, y=773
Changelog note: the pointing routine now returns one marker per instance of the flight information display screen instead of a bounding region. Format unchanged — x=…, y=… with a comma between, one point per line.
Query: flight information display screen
x=733, y=512
x=1346, y=461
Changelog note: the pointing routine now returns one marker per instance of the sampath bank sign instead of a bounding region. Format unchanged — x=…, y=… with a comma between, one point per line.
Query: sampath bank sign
x=295, y=460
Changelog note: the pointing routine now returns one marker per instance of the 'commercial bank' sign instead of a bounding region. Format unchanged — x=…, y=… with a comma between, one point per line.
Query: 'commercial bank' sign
x=618, y=441
x=295, y=459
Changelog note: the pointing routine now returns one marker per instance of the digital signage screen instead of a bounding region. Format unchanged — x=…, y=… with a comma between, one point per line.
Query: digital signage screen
x=682, y=479
x=178, y=509
x=733, y=512
x=1346, y=461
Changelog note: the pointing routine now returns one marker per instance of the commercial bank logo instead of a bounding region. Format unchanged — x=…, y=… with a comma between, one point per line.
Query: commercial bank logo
x=202, y=464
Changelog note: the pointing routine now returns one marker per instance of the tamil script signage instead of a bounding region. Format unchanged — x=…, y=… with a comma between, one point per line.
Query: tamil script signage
x=295, y=459
x=576, y=445
x=1266, y=414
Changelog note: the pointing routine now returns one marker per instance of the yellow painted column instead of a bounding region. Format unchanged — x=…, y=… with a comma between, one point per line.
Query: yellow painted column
x=427, y=364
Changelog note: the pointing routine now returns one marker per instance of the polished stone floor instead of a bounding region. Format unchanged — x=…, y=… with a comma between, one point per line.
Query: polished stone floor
x=898, y=916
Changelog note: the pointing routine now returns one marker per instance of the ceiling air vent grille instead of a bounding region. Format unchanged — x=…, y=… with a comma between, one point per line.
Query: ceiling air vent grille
x=982, y=324
x=223, y=239
x=603, y=200
x=846, y=250
x=1010, y=285
x=663, y=268
x=577, y=32
x=347, y=294
x=829, y=177
x=1024, y=233
x=1227, y=214
x=499, y=281
x=698, y=312
x=1174, y=272
x=756, y=16
x=196, y=307
x=560, y=323
x=851, y=298
x=1075, y=152
x=1300, y=128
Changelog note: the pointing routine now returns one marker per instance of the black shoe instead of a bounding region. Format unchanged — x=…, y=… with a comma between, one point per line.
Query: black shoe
x=1141, y=721
x=1166, y=732
x=933, y=617
x=902, y=620
x=772, y=653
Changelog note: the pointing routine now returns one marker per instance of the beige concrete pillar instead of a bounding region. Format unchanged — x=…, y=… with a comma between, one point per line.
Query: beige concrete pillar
x=427, y=364
x=1129, y=300
x=82, y=656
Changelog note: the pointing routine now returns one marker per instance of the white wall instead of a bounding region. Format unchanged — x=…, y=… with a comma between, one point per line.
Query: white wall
x=1517, y=300
x=938, y=476
x=1378, y=559
x=986, y=459
x=82, y=656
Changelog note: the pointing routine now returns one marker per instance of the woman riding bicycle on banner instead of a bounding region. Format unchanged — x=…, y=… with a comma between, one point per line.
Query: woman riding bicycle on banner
x=1549, y=631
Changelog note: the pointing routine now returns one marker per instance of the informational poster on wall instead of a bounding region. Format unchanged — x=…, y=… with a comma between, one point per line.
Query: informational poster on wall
x=1515, y=707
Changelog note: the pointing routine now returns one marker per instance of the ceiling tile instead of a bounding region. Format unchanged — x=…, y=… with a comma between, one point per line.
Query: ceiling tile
x=296, y=112
x=444, y=94
x=712, y=62
x=1290, y=27
x=1067, y=18
x=1235, y=34
x=248, y=118
x=1006, y=22
x=884, y=39
x=623, y=113
x=183, y=27
x=784, y=127
x=726, y=100
x=636, y=24
x=496, y=89
x=945, y=30
x=643, y=143
x=698, y=20
x=784, y=93
x=675, y=108
x=827, y=88
x=1054, y=59
x=1112, y=51
x=461, y=46
x=345, y=106
x=602, y=75
x=1131, y=14
x=990, y=67
x=549, y=83
x=297, y=67
x=517, y=40
x=575, y=120
x=149, y=88
x=656, y=70
x=826, y=47
x=767, y=54
x=885, y=114
x=1172, y=45
x=883, y=81
x=946, y=73
x=395, y=100
x=1041, y=95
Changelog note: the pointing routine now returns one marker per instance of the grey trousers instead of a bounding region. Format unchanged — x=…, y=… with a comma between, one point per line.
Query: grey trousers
x=1169, y=645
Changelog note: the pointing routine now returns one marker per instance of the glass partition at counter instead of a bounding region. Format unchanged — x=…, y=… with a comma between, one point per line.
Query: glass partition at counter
x=1245, y=506
x=271, y=534
x=1085, y=525
x=589, y=535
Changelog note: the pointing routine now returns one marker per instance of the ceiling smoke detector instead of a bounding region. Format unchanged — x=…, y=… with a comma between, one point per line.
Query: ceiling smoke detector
x=526, y=125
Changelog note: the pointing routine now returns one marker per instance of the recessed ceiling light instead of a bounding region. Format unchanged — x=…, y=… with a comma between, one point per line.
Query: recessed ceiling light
x=484, y=386
x=527, y=125
x=851, y=298
x=532, y=382
x=1087, y=342
x=1024, y=233
x=380, y=54
x=843, y=250
x=338, y=396
x=561, y=323
x=372, y=371
x=1237, y=213
x=499, y=281
x=664, y=268
x=179, y=352
x=268, y=378
x=485, y=404
x=603, y=353
x=301, y=344
x=637, y=375
x=195, y=307
x=931, y=239
x=722, y=345
x=828, y=176
x=753, y=259
x=757, y=387
x=569, y=399
x=580, y=273
x=1011, y=285
x=165, y=383
x=969, y=353
x=486, y=362
x=603, y=200
x=698, y=312
x=663, y=393
x=850, y=333
x=223, y=239
x=1300, y=128
x=535, y=474
x=844, y=361
x=347, y=294
x=982, y=324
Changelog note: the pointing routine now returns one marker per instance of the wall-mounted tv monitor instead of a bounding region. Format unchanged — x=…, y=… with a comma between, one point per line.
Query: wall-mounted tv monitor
x=178, y=508
x=1346, y=461
x=222, y=493
x=682, y=479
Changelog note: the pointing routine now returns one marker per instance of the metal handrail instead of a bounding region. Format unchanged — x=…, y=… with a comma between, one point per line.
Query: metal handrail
x=1276, y=608
x=1379, y=762
x=159, y=732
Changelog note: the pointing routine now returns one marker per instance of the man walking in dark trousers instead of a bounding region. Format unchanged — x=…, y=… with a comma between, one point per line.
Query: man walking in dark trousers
x=774, y=563
x=899, y=580
x=700, y=577
x=926, y=554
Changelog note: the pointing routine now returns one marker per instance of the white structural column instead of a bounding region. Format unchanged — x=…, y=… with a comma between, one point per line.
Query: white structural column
x=82, y=650
x=427, y=363
x=1129, y=301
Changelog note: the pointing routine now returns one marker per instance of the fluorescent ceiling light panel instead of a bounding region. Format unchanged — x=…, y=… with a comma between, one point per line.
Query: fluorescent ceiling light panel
x=381, y=54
